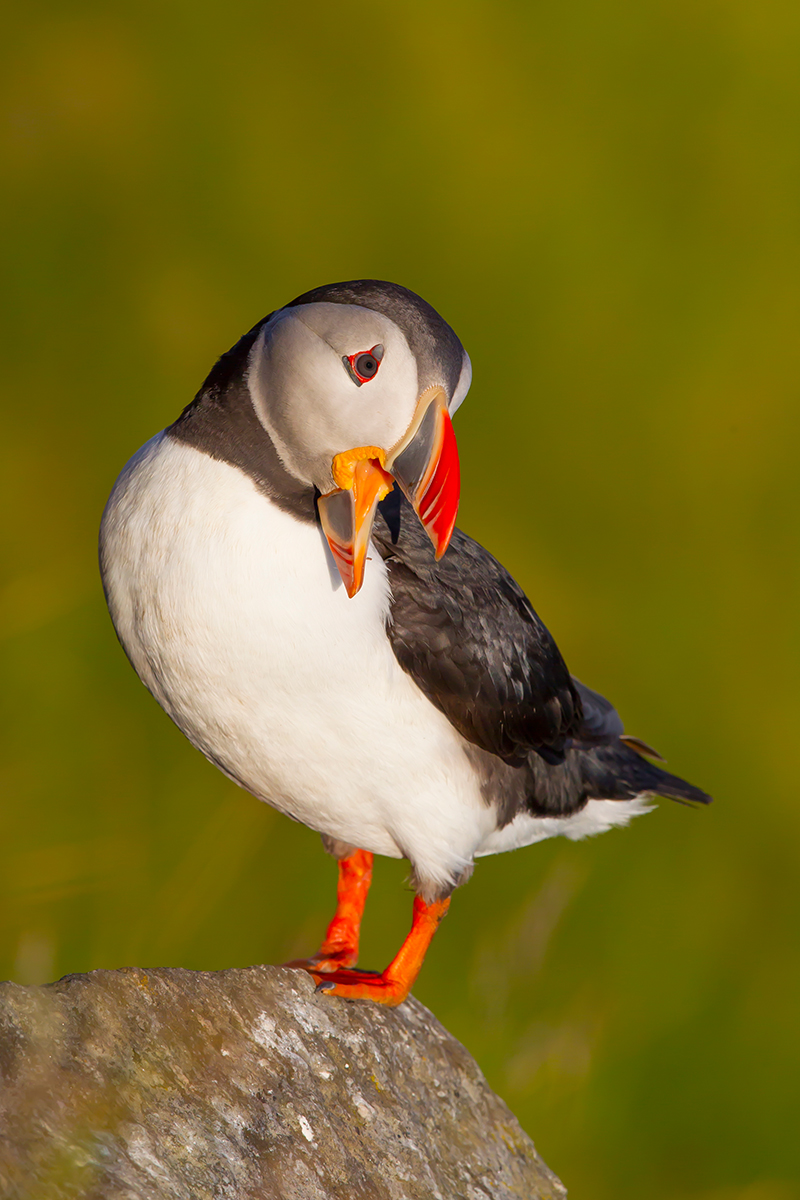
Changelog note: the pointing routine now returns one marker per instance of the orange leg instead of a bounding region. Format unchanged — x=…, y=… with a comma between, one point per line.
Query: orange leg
x=392, y=985
x=340, y=948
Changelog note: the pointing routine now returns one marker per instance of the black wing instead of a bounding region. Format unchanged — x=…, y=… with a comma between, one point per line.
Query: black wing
x=468, y=636
x=601, y=720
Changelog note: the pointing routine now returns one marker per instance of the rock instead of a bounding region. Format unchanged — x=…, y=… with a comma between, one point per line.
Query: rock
x=244, y=1085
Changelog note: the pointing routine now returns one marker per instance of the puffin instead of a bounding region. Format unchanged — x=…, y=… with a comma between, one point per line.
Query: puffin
x=283, y=570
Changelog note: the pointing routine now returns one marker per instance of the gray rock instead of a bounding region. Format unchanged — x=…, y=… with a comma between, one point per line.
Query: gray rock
x=181, y=1085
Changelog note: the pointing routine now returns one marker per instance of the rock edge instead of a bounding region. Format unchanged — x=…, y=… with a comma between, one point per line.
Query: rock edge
x=244, y=1085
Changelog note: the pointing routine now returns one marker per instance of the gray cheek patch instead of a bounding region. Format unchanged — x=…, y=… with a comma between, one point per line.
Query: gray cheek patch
x=436, y=348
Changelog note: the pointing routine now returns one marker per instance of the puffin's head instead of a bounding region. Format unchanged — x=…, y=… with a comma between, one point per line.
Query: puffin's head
x=356, y=383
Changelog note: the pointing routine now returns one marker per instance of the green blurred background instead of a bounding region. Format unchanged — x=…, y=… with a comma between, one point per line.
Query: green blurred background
x=602, y=198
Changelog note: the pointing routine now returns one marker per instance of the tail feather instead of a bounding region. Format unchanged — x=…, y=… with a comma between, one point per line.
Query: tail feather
x=614, y=762
x=641, y=747
x=612, y=769
x=622, y=772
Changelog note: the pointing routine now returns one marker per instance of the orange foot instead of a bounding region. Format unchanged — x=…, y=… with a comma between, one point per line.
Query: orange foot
x=325, y=963
x=392, y=985
x=364, y=985
x=340, y=948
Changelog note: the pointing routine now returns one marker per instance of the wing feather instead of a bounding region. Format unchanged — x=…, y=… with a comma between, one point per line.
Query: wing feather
x=468, y=636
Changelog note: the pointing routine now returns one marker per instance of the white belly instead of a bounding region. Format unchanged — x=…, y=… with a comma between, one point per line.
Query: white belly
x=234, y=617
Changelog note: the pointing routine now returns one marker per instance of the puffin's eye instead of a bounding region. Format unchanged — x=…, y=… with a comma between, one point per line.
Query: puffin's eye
x=364, y=366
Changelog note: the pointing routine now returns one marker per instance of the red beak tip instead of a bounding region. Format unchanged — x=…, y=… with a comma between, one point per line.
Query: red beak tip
x=441, y=549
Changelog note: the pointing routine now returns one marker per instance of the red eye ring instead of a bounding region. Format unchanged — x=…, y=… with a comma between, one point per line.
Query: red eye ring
x=363, y=366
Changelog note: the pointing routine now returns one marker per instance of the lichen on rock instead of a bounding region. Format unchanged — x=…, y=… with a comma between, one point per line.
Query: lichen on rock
x=244, y=1085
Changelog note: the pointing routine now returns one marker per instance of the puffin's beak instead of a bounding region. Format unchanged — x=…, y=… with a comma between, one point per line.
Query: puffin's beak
x=347, y=513
x=425, y=464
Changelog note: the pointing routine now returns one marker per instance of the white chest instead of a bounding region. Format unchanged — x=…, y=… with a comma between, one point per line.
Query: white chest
x=234, y=617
